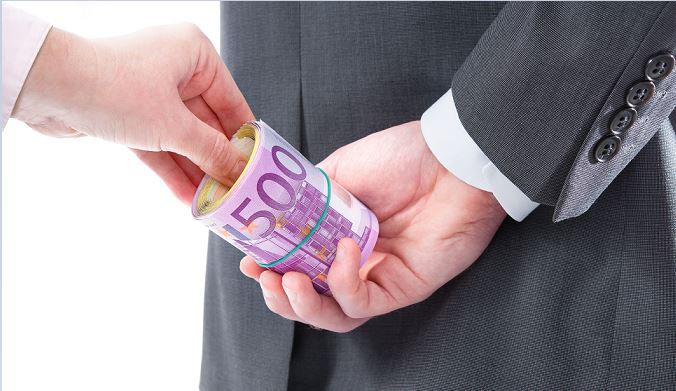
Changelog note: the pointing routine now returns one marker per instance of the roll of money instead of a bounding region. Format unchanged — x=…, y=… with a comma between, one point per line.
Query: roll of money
x=282, y=210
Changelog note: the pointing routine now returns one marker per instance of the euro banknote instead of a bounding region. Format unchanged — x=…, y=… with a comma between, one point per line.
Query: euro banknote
x=283, y=211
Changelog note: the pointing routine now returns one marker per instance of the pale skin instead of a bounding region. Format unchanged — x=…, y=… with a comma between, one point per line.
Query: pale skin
x=432, y=227
x=165, y=93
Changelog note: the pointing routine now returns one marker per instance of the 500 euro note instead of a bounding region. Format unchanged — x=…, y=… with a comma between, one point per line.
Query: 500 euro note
x=282, y=210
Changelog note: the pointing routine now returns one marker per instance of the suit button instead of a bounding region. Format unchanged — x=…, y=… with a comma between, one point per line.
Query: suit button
x=659, y=66
x=607, y=148
x=640, y=93
x=622, y=121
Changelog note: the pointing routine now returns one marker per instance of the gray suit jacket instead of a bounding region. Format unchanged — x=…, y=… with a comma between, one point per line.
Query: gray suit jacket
x=586, y=303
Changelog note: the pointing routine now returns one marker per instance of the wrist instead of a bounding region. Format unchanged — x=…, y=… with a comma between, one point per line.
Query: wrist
x=485, y=202
x=478, y=205
x=458, y=152
x=62, y=77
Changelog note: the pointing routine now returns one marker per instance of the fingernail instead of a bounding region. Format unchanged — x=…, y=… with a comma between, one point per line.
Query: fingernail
x=340, y=251
x=267, y=294
x=237, y=170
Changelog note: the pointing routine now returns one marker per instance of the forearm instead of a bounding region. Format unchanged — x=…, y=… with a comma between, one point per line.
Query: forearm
x=162, y=89
x=539, y=90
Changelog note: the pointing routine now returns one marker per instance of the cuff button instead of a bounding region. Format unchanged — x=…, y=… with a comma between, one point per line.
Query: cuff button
x=607, y=148
x=659, y=66
x=622, y=121
x=640, y=93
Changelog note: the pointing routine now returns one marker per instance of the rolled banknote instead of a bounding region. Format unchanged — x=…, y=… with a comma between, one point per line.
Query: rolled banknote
x=282, y=210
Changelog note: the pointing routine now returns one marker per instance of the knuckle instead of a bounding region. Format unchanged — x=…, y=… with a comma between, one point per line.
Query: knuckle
x=187, y=34
x=190, y=29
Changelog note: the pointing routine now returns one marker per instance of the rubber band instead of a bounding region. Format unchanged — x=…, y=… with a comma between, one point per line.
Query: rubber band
x=314, y=229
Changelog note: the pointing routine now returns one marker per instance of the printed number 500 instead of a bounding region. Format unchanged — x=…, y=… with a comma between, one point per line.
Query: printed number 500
x=266, y=198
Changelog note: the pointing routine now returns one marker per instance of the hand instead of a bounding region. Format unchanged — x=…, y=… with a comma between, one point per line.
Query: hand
x=163, y=91
x=432, y=227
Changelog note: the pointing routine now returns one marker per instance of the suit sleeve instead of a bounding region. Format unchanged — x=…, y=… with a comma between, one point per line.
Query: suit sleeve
x=455, y=150
x=542, y=86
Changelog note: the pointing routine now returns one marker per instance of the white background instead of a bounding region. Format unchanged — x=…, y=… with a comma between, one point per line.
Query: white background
x=103, y=271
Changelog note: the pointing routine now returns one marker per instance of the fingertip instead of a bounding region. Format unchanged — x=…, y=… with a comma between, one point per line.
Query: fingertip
x=329, y=164
x=250, y=268
x=173, y=175
x=271, y=285
x=303, y=297
x=269, y=280
x=343, y=279
x=325, y=166
x=347, y=257
x=225, y=162
x=349, y=247
x=237, y=169
x=296, y=281
x=185, y=195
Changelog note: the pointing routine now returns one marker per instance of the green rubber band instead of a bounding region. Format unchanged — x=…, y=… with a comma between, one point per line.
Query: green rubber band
x=314, y=229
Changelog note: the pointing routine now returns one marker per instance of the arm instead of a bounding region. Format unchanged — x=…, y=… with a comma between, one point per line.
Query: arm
x=175, y=107
x=455, y=150
x=552, y=77
x=536, y=95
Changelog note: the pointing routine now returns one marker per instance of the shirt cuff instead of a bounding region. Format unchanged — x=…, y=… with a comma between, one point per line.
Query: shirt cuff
x=456, y=150
x=22, y=38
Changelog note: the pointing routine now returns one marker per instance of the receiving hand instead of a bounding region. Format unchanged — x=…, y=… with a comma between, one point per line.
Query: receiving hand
x=432, y=227
x=163, y=91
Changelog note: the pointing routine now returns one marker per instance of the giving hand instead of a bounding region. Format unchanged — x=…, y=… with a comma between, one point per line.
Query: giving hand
x=162, y=91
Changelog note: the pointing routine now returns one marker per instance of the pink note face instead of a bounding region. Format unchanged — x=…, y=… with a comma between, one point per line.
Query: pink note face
x=280, y=201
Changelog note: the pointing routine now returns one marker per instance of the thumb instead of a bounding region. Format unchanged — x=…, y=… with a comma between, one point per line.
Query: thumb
x=347, y=288
x=209, y=149
x=329, y=165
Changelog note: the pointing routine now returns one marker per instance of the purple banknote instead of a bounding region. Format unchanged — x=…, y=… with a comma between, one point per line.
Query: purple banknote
x=282, y=210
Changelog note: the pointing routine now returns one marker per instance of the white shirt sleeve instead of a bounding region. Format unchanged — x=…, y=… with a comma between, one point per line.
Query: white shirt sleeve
x=454, y=148
x=22, y=38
